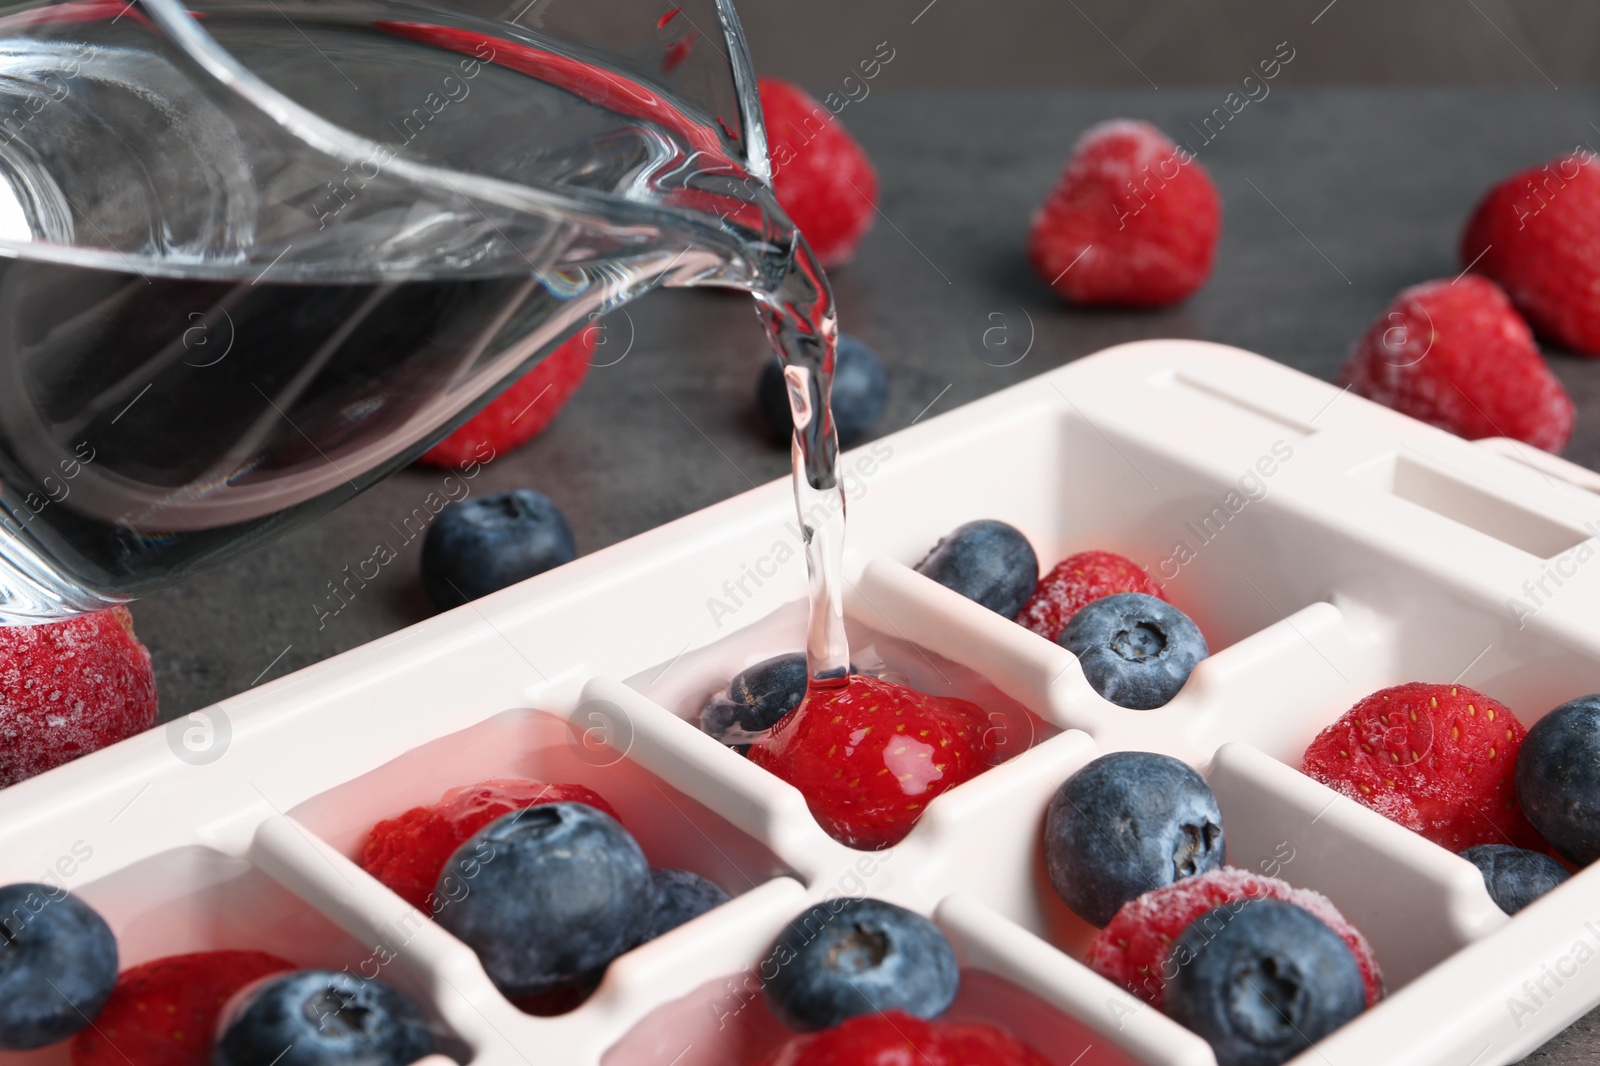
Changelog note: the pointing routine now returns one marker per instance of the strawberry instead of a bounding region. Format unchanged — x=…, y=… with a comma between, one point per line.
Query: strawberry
x=407, y=853
x=69, y=688
x=823, y=179
x=1077, y=581
x=1458, y=356
x=1133, y=949
x=869, y=755
x=1538, y=234
x=164, y=1012
x=1438, y=759
x=523, y=411
x=1133, y=220
x=895, y=1038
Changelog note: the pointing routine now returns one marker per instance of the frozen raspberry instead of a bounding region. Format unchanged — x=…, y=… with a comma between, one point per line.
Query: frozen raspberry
x=522, y=412
x=69, y=688
x=164, y=1012
x=1458, y=356
x=870, y=755
x=408, y=853
x=1438, y=759
x=894, y=1038
x=1133, y=220
x=1077, y=581
x=1133, y=950
x=1538, y=234
x=823, y=179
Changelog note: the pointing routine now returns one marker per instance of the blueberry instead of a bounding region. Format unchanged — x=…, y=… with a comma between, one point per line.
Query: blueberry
x=756, y=698
x=1125, y=824
x=1514, y=877
x=1262, y=980
x=547, y=896
x=986, y=561
x=1558, y=778
x=680, y=896
x=320, y=1018
x=479, y=546
x=846, y=957
x=860, y=392
x=1136, y=650
x=58, y=965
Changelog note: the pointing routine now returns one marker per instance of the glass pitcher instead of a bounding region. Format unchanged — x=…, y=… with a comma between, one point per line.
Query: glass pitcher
x=254, y=256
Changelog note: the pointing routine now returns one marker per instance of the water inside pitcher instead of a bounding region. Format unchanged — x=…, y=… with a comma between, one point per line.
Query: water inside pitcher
x=256, y=256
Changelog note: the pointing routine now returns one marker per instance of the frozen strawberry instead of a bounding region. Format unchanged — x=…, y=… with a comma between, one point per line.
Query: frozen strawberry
x=895, y=1038
x=1438, y=759
x=69, y=688
x=1133, y=221
x=973, y=1044
x=869, y=755
x=1538, y=234
x=408, y=853
x=164, y=1012
x=1134, y=949
x=1457, y=355
x=1077, y=581
x=823, y=179
x=522, y=412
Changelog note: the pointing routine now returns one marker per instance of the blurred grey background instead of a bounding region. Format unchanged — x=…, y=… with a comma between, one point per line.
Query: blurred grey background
x=1350, y=181
x=1041, y=43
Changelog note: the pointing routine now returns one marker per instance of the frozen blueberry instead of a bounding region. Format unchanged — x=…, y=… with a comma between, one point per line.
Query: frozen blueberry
x=1127, y=823
x=756, y=698
x=1136, y=650
x=320, y=1018
x=1558, y=778
x=547, y=896
x=846, y=957
x=986, y=561
x=58, y=965
x=1514, y=877
x=1261, y=981
x=479, y=546
x=682, y=895
x=860, y=392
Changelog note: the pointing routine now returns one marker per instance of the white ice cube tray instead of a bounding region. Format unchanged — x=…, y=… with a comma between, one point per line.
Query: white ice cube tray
x=1326, y=546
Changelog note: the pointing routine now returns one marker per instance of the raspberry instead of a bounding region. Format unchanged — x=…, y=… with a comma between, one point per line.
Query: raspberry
x=869, y=755
x=1133, y=950
x=1458, y=356
x=823, y=179
x=408, y=853
x=1133, y=220
x=1538, y=234
x=1438, y=759
x=523, y=411
x=1077, y=581
x=164, y=1012
x=894, y=1038
x=69, y=688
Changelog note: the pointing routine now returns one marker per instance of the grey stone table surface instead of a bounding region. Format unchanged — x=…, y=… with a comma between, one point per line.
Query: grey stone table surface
x=1333, y=201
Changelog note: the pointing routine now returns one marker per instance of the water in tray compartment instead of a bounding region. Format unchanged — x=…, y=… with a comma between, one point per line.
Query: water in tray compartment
x=684, y=685
x=727, y=1023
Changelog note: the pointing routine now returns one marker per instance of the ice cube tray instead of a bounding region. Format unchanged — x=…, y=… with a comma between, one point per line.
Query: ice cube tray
x=1326, y=546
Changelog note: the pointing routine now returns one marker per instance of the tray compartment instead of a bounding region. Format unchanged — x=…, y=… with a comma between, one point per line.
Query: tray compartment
x=671, y=827
x=884, y=644
x=1008, y=979
x=1414, y=901
x=194, y=898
